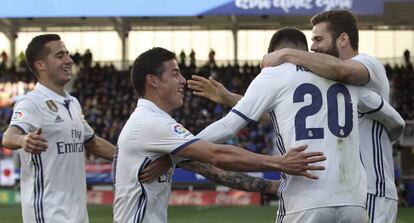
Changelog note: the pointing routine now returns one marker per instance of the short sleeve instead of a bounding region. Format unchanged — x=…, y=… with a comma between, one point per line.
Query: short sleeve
x=259, y=97
x=26, y=116
x=166, y=136
x=378, y=80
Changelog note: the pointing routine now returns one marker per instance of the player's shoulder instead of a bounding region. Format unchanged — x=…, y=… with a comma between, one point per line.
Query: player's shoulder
x=148, y=118
x=366, y=58
x=32, y=98
x=279, y=68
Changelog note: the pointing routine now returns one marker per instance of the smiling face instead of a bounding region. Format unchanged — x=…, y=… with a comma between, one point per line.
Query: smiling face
x=322, y=41
x=170, y=86
x=57, y=65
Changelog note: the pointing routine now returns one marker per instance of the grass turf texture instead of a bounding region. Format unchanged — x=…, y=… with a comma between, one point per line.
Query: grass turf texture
x=191, y=214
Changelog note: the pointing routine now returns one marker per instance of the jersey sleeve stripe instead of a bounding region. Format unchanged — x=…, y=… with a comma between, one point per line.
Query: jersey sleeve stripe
x=19, y=127
x=175, y=151
x=242, y=116
x=90, y=138
x=375, y=110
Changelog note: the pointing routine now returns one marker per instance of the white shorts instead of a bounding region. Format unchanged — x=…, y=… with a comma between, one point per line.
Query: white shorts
x=339, y=214
x=381, y=209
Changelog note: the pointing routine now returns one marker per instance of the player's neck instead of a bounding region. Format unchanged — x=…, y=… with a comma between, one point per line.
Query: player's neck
x=58, y=89
x=347, y=53
x=159, y=103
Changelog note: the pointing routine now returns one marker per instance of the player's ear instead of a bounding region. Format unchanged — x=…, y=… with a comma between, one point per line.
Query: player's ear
x=152, y=80
x=343, y=40
x=39, y=65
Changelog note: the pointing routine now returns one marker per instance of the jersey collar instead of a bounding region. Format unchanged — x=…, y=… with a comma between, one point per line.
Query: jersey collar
x=51, y=94
x=149, y=104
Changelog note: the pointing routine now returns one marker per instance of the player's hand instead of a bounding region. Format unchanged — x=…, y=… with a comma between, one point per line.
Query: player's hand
x=296, y=162
x=208, y=88
x=272, y=59
x=155, y=169
x=34, y=142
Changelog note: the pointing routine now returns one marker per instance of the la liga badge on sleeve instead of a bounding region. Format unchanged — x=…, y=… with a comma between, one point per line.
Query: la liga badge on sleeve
x=180, y=130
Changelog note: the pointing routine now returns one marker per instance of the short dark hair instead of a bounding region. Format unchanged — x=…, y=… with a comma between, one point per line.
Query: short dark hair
x=149, y=62
x=288, y=36
x=36, y=49
x=339, y=21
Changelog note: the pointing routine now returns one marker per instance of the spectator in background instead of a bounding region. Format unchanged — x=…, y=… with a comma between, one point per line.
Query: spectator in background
x=4, y=59
x=87, y=58
x=76, y=58
x=407, y=57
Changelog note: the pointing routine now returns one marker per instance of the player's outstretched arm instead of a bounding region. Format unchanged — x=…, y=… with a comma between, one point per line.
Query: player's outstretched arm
x=33, y=142
x=347, y=71
x=372, y=106
x=235, y=180
x=215, y=91
x=212, y=90
x=100, y=147
x=227, y=157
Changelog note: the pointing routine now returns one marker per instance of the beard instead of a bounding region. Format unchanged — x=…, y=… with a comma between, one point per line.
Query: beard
x=332, y=50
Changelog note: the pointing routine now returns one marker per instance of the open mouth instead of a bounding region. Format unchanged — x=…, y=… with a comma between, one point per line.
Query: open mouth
x=181, y=91
x=67, y=70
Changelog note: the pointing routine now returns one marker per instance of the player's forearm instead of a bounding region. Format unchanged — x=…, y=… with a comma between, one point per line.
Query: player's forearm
x=372, y=106
x=231, y=99
x=100, y=147
x=327, y=66
x=12, y=138
x=235, y=180
x=391, y=119
x=233, y=158
x=222, y=130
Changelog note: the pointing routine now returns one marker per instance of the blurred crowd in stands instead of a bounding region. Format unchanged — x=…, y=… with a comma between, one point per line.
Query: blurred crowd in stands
x=107, y=96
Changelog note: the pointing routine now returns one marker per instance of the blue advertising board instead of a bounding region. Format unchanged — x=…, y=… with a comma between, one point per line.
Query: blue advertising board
x=125, y=8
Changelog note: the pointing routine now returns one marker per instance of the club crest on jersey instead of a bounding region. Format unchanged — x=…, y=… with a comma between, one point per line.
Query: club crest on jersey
x=17, y=116
x=180, y=130
x=52, y=106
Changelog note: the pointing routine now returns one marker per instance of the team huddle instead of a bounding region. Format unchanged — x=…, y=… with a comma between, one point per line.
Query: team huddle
x=329, y=109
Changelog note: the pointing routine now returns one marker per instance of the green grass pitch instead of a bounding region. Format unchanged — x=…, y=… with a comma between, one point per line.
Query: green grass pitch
x=192, y=214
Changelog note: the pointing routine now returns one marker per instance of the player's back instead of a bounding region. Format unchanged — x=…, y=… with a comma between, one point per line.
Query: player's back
x=308, y=109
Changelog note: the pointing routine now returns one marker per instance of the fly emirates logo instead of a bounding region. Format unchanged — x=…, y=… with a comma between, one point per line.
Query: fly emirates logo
x=76, y=146
x=287, y=5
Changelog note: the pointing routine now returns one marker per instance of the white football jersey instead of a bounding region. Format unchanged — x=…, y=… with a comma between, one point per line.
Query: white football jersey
x=148, y=134
x=375, y=145
x=308, y=109
x=53, y=183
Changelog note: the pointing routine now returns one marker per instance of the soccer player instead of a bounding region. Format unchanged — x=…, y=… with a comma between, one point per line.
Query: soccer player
x=151, y=132
x=306, y=108
x=48, y=125
x=335, y=41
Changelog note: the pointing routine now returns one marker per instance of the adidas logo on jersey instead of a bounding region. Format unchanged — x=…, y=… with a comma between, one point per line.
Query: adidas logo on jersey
x=58, y=119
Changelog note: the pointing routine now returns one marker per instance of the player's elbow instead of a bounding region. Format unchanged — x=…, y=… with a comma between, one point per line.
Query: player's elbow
x=7, y=142
x=397, y=130
x=351, y=74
